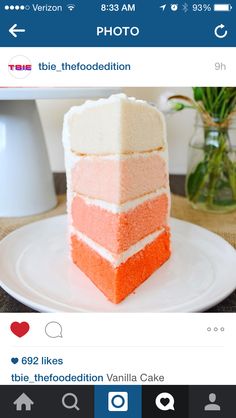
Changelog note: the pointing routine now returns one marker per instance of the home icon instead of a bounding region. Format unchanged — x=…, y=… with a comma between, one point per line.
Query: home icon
x=23, y=403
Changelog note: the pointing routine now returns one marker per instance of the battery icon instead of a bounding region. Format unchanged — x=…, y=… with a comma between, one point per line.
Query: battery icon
x=222, y=7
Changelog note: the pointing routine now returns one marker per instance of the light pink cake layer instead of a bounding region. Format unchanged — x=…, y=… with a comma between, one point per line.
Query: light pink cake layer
x=118, y=231
x=119, y=180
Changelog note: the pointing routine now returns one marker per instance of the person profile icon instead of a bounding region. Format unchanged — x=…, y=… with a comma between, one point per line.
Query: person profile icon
x=212, y=406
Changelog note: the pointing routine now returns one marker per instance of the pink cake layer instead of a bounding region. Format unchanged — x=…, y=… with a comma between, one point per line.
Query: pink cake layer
x=119, y=180
x=118, y=231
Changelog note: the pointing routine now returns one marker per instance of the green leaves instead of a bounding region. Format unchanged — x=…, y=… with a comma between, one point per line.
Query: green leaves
x=196, y=180
x=213, y=180
x=198, y=93
x=230, y=169
x=218, y=102
x=178, y=106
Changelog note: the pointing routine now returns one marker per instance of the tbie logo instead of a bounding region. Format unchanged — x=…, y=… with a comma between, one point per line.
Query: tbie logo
x=19, y=66
x=117, y=31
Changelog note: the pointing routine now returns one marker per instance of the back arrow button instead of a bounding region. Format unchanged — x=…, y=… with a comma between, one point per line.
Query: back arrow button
x=13, y=30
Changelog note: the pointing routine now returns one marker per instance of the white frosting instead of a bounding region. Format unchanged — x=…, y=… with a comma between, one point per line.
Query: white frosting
x=70, y=161
x=163, y=153
x=114, y=98
x=116, y=260
x=124, y=207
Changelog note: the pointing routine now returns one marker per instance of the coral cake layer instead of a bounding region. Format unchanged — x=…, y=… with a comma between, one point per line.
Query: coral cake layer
x=118, y=231
x=118, y=282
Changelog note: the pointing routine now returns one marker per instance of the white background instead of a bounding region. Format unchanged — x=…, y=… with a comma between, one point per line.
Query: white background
x=178, y=346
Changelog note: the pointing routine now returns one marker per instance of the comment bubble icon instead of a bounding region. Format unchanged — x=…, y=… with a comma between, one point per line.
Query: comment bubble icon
x=165, y=402
x=53, y=330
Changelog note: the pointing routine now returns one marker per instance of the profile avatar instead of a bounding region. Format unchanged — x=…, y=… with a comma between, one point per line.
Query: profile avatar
x=212, y=406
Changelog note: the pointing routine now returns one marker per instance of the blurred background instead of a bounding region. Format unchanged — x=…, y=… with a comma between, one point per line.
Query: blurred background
x=179, y=125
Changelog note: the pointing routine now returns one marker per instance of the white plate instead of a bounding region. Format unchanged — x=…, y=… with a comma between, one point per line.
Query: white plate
x=36, y=270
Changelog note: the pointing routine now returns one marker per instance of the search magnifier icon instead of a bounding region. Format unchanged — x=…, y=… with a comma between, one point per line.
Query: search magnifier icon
x=70, y=401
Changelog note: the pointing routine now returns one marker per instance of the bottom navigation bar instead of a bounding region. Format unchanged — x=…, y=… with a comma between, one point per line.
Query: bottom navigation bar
x=129, y=401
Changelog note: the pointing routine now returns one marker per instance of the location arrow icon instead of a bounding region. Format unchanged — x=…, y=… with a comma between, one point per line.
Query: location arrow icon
x=163, y=7
x=13, y=30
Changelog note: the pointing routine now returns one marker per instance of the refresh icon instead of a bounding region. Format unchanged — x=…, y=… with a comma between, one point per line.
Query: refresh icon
x=220, y=31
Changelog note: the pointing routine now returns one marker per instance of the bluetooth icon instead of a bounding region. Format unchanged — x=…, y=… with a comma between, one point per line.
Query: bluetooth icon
x=185, y=7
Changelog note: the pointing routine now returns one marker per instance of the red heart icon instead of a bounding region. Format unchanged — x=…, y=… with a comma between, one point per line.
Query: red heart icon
x=20, y=328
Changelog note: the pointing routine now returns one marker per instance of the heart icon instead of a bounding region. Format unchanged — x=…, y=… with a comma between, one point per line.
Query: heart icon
x=14, y=360
x=165, y=401
x=20, y=328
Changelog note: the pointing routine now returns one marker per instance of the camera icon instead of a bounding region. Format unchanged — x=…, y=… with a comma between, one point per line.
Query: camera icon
x=117, y=401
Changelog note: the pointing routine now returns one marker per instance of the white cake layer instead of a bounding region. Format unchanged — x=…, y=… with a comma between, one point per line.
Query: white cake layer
x=114, y=126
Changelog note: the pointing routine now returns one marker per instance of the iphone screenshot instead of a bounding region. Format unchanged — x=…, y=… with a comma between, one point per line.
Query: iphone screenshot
x=117, y=209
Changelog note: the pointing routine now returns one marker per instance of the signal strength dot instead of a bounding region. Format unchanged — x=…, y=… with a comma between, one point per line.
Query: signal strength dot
x=17, y=7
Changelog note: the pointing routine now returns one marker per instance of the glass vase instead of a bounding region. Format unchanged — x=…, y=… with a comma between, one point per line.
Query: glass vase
x=211, y=174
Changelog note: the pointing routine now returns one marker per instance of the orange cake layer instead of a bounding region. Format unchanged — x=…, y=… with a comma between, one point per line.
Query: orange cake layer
x=116, y=232
x=118, y=282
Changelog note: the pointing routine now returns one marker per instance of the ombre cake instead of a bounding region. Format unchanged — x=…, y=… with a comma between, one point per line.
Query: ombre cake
x=118, y=196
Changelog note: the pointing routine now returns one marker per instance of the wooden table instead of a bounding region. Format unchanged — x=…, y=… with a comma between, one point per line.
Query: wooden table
x=9, y=304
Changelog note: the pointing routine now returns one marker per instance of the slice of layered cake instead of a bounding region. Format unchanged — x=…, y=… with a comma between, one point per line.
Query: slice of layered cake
x=117, y=192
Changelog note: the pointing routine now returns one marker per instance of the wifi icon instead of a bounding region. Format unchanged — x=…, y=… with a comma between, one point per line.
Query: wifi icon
x=70, y=7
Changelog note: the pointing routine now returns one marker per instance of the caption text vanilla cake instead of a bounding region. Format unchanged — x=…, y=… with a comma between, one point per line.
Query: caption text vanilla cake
x=117, y=191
